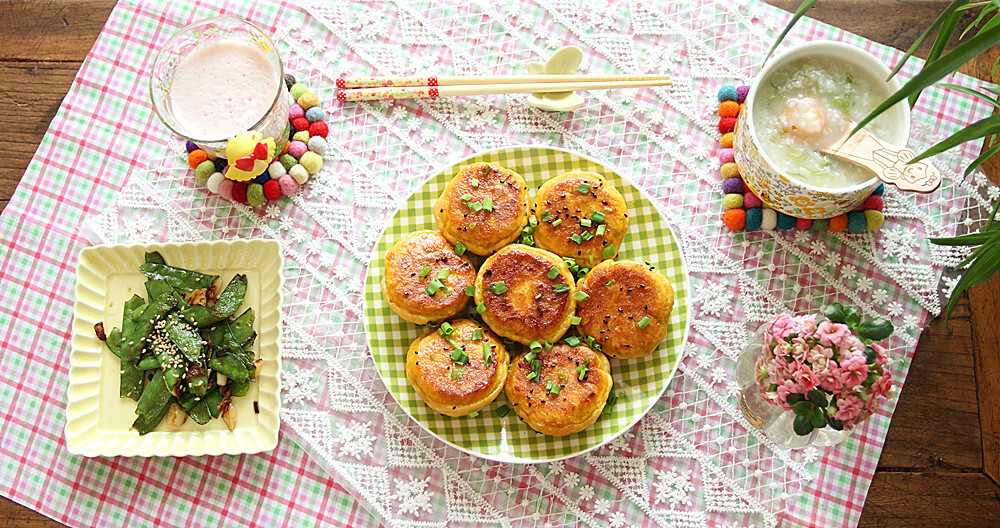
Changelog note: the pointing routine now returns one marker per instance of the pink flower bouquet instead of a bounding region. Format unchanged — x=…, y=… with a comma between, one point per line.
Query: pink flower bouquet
x=829, y=372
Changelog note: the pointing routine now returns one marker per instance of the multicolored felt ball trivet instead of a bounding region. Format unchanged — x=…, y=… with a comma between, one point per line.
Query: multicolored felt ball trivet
x=744, y=210
x=300, y=159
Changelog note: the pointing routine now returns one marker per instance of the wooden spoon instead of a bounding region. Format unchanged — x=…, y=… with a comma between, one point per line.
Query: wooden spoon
x=887, y=161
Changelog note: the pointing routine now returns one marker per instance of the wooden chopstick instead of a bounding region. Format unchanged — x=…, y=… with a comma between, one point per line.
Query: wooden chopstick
x=385, y=82
x=419, y=92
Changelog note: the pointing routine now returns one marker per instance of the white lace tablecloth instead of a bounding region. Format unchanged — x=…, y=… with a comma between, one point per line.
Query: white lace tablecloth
x=693, y=461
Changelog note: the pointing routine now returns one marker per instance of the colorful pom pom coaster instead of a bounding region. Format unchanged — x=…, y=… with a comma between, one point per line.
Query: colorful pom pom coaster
x=744, y=210
x=299, y=160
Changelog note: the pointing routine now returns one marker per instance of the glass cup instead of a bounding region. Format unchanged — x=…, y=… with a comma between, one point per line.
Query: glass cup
x=273, y=123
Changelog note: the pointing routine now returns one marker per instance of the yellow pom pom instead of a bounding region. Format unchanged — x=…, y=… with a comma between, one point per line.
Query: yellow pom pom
x=727, y=140
x=732, y=201
x=308, y=100
x=311, y=161
x=730, y=170
x=874, y=219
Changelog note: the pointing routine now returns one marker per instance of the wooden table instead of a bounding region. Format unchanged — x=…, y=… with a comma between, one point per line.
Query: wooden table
x=941, y=462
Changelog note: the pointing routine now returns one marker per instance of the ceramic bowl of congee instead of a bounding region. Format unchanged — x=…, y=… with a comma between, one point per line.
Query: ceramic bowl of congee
x=806, y=97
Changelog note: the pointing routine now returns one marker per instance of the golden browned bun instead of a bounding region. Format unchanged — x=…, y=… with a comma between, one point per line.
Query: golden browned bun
x=559, y=201
x=522, y=302
x=457, y=387
x=404, y=287
x=614, y=314
x=557, y=402
x=495, y=224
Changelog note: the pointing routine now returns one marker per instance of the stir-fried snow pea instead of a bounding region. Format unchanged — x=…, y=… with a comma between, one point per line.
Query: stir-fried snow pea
x=197, y=377
x=200, y=316
x=149, y=362
x=231, y=345
x=230, y=365
x=154, y=257
x=131, y=378
x=239, y=388
x=181, y=279
x=156, y=288
x=152, y=406
x=187, y=340
x=212, y=400
x=232, y=297
x=114, y=342
x=187, y=400
x=200, y=413
x=133, y=341
x=242, y=327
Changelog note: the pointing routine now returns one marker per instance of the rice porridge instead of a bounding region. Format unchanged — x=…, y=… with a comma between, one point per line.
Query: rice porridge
x=809, y=103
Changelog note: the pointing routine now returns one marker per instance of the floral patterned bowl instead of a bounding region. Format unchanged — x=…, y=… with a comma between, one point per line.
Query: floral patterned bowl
x=770, y=183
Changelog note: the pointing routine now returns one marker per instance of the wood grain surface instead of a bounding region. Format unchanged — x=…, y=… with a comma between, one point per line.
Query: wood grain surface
x=941, y=462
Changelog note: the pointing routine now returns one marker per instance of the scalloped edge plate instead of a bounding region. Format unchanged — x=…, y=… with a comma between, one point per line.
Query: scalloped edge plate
x=98, y=421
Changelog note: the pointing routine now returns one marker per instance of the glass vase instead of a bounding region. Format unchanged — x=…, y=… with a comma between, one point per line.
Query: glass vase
x=774, y=421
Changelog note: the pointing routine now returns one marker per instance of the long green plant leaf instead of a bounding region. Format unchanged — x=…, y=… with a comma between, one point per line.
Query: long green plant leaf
x=987, y=154
x=955, y=4
x=977, y=130
x=971, y=239
x=974, y=93
x=934, y=71
x=979, y=19
x=943, y=36
x=803, y=7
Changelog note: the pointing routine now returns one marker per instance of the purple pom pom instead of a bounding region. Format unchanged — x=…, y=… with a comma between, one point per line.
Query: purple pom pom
x=190, y=146
x=733, y=186
x=741, y=93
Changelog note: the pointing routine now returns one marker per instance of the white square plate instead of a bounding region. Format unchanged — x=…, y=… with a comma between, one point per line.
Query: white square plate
x=99, y=421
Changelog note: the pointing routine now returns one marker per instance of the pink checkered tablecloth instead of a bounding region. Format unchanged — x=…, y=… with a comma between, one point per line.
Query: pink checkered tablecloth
x=105, y=147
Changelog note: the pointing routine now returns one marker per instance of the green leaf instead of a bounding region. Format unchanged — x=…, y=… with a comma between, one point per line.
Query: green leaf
x=818, y=398
x=943, y=36
x=971, y=239
x=836, y=424
x=802, y=425
x=875, y=329
x=803, y=7
x=934, y=71
x=980, y=271
x=955, y=4
x=974, y=93
x=817, y=419
x=977, y=130
x=835, y=313
x=870, y=354
x=803, y=408
x=982, y=15
x=792, y=399
x=993, y=215
x=852, y=317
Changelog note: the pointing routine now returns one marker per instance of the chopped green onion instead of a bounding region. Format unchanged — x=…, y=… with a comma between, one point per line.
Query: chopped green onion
x=563, y=376
x=531, y=376
x=460, y=248
x=532, y=221
x=582, y=369
x=601, y=229
x=473, y=414
x=575, y=320
x=572, y=341
x=561, y=288
x=488, y=203
x=548, y=345
x=576, y=238
x=503, y=410
x=590, y=258
x=555, y=389
x=472, y=225
x=582, y=272
x=443, y=274
x=612, y=399
x=548, y=385
x=608, y=252
x=586, y=222
x=583, y=188
x=530, y=356
x=610, y=282
x=475, y=182
x=470, y=290
x=487, y=352
x=459, y=356
x=553, y=273
x=433, y=286
x=456, y=373
x=466, y=197
x=538, y=296
x=591, y=342
x=581, y=296
x=477, y=334
x=476, y=206
x=587, y=235
x=597, y=216
x=481, y=308
x=424, y=271
x=446, y=328
x=557, y=222
x=643, y=322
x=432, y=324
x=546, y=216
x=535, y=345
x=498, y=287
x=536, y=368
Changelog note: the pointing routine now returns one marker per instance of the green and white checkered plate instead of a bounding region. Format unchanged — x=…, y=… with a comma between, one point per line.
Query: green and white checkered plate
x=637, y=382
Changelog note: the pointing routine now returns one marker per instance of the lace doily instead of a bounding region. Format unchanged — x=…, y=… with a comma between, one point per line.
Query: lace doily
x=693, y=461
